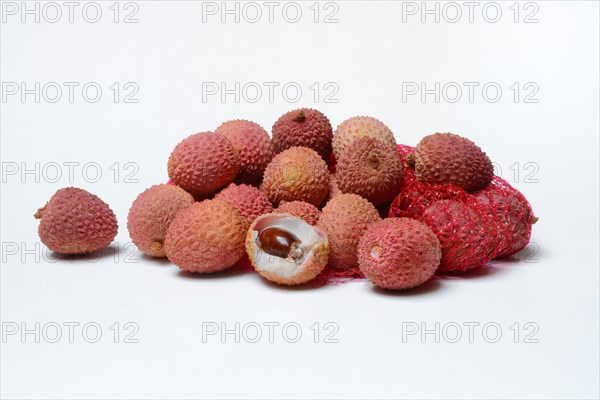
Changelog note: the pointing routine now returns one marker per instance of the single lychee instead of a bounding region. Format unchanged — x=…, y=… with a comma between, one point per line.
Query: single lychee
x=248, y=200
x=399, y=253
x=513, y=213
x=203, y=163
x=304, y=127
x=467, y=235
x=300, y=209
x=207, y=236
x=253, y=145
x=371, y=169
x=449, y=158
x=75, y=221
x=299, y=174
x=285, y=249
x=151, y=214
x=344, y=220
x=358, y=127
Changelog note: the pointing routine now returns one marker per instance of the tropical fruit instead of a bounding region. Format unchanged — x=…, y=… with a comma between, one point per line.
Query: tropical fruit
x=75, y=221
x=151, y=214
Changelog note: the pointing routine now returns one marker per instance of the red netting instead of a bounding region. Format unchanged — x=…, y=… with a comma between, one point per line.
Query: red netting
x=512, y=212
x=472, y=228
x=336, y=276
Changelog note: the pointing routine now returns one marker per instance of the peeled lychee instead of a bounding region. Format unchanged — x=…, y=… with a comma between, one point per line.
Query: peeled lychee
x=203, y=163
x=358, y=127
x=206, y=237
x=248, y=200
x=299, y=174
x=300, y=209
x=285, y=249
x=513, y=213
x=371, y=169
x=467, y=235
x=398, y=253
x=253, y=145
x=344, y=219
x=75, y=221
x=303, y=127
x=449, y=158
x=151, y=214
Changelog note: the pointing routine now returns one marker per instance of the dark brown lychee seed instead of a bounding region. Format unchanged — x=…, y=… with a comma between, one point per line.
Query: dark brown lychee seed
x=278, y=242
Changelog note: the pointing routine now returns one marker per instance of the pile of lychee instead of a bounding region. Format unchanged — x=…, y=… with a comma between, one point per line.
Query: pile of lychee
x=308, y=200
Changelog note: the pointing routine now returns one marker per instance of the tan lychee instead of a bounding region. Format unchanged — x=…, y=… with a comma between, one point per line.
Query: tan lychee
x=298, y=173
x=371, y=169
x=207, y=236
x=344, y=220
x=358, y=127
x=151, y=214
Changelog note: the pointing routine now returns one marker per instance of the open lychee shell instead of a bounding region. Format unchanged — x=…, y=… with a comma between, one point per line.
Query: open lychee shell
x=301, y=261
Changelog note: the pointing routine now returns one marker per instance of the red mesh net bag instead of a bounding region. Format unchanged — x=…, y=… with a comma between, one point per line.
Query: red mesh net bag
x=513, y=213
x=472, y=228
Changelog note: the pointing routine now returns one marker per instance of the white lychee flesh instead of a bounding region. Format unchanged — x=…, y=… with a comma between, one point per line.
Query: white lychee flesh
x=304, y=261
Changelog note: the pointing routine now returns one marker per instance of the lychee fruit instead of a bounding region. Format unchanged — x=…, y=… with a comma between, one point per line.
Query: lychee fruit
x=203, y=163
x=371, y=169
x=151, y=213
x=285, y=249
x=253, y=145
x=513, y=213
x=304, y=127
x=449, y=158
x=248, y=200
x=358, y=127
x=468, y=237
x=75, y=221
x=207, y=236
x=334, y=190
x=300, y=209
x=344, y=219
x=399, y=253
x=297, y=173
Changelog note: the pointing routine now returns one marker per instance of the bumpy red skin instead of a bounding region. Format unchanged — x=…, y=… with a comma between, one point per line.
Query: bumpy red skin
x=303, y=127
x=302, y=210
x=448, y=158
x=253, y=145
x=371, y=169
x=513, y=213
x=203, y=163
x=76, y=222
x=344, y=219
x=206, y=237
x=248, y=200
x=151, y=214
x=398, y=253
x=297, y=173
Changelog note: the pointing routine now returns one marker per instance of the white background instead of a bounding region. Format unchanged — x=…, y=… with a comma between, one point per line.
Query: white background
x=368, y=54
